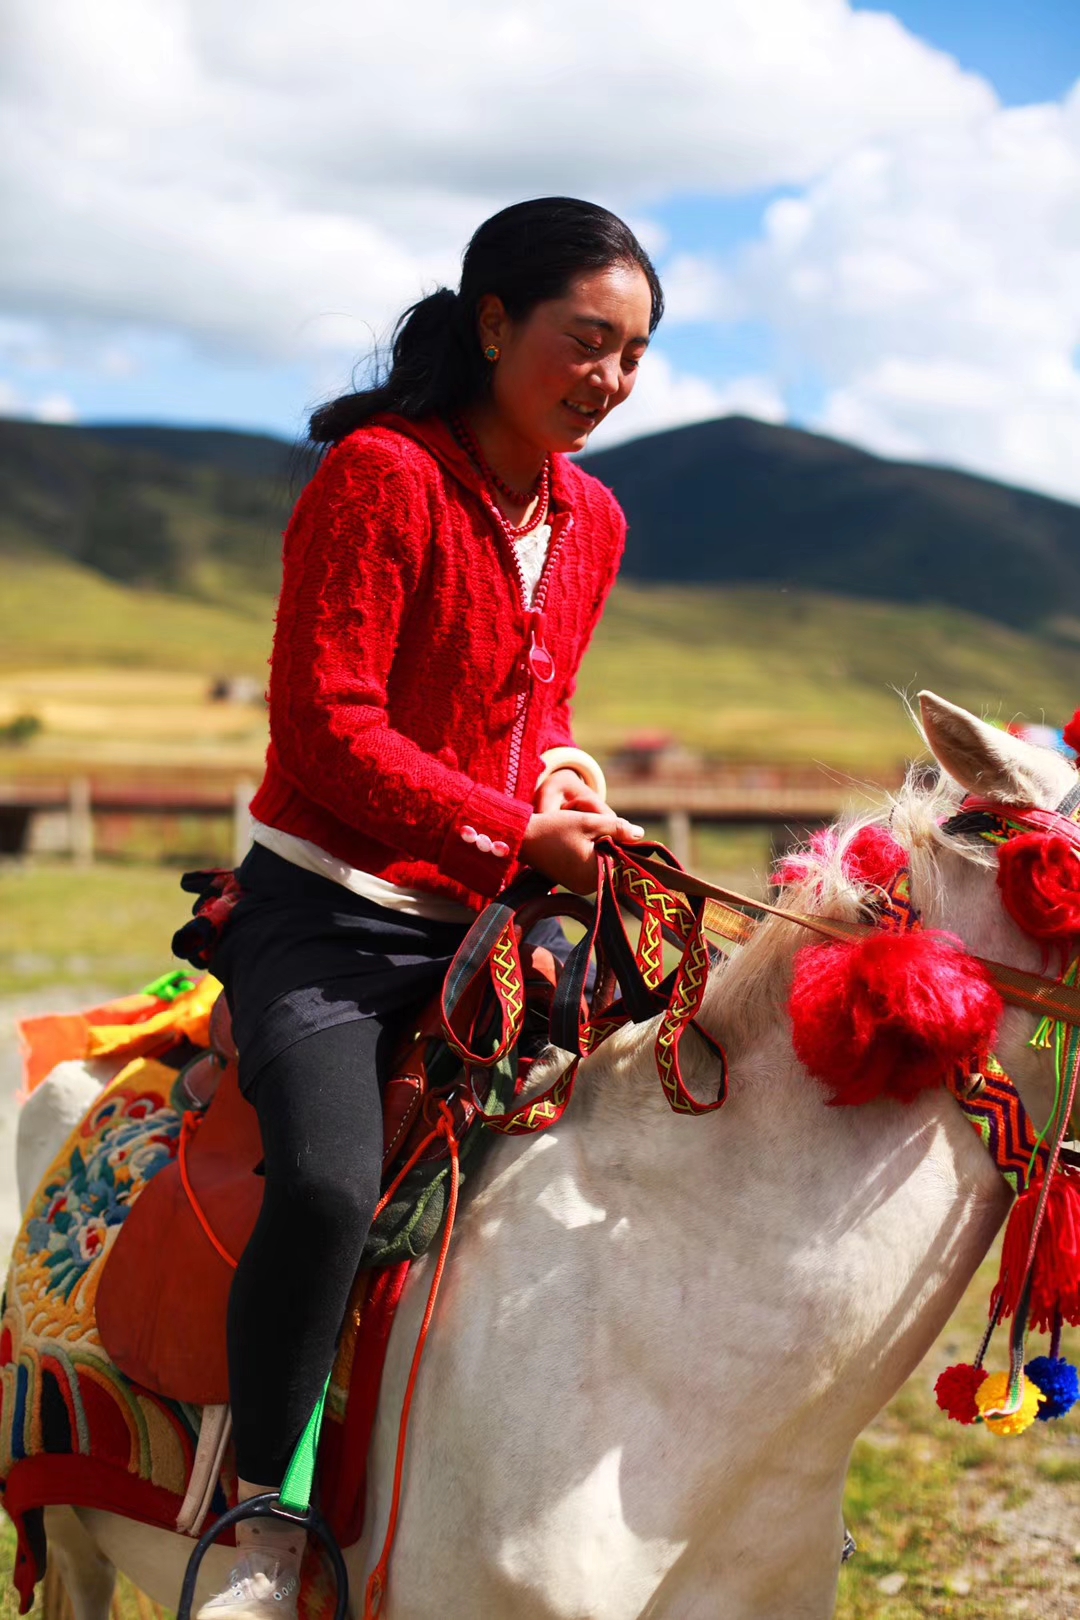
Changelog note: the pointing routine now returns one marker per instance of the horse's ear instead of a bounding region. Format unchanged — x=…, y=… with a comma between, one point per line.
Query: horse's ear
x=990, y=762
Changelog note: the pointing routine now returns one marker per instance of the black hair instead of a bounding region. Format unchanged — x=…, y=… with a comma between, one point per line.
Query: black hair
x=526, y=254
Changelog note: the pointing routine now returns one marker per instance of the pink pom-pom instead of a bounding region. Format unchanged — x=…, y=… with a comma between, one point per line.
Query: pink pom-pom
x=955, y=1392
x=797, y=867
x=890, y=1015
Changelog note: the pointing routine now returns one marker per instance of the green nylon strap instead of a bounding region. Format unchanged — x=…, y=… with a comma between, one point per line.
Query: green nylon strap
x=170, y=985
x=296, y=1487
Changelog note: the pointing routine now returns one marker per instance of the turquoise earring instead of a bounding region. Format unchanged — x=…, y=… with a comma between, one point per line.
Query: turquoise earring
x=492, y=352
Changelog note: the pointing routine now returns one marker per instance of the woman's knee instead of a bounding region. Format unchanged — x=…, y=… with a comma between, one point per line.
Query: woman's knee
x=327, y=1205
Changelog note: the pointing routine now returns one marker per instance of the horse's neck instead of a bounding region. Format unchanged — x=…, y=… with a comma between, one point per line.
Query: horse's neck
x=776, y=1245
x=957, y=895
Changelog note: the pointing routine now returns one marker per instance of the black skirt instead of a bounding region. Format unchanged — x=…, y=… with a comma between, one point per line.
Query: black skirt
x=301, y=953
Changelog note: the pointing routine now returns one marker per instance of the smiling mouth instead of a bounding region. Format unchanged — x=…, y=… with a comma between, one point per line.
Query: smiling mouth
x=589, y=414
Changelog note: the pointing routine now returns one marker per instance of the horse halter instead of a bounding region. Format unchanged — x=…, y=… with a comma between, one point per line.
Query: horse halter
x=996, y=822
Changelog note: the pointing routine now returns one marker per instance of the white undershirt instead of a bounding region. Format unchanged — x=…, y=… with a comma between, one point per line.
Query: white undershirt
x=531, y=552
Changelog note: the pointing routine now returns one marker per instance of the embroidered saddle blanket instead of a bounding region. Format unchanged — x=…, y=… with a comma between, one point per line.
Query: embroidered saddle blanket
x=112, y=1341
x=74, y=1427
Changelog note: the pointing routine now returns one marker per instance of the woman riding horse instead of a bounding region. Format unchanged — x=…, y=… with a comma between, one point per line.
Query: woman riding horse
x=443, y=574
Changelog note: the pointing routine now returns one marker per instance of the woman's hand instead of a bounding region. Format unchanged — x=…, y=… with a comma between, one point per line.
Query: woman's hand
x=561, y=842
x=566, y=790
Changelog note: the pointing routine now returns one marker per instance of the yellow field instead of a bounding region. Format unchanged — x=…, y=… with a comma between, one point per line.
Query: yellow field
x=119, y=676
x=98, y=718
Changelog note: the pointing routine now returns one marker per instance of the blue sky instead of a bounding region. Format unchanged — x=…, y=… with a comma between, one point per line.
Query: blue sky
x=863, y=224
x=1028, y=49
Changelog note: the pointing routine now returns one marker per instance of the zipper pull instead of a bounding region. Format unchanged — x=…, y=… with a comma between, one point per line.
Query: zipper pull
x=541, y=662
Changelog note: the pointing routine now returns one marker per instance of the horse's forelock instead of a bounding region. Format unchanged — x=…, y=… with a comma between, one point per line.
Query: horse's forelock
x=749, y=991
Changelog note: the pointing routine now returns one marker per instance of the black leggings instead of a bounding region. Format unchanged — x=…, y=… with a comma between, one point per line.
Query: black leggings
x=320, y=1110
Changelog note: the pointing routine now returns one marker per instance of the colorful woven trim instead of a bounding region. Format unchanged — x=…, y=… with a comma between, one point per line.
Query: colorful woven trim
x=993, y=1108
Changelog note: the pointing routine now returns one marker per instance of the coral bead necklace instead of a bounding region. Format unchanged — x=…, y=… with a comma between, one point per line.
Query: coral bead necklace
x=540, y=492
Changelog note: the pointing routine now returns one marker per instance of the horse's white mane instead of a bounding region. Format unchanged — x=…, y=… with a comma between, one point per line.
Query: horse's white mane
x=748, y=991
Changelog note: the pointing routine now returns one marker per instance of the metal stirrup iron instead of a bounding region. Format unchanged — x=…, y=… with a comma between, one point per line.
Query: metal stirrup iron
x=292, y=1504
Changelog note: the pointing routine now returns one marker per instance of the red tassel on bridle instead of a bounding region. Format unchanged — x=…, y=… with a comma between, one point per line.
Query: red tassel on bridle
x=1055, y=1276
x=891, y=1015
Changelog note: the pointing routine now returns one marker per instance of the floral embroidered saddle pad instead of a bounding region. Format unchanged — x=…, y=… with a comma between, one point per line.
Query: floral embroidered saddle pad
x=75, y=1427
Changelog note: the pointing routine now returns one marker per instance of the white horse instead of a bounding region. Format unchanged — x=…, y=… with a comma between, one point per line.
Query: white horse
x=660, y=1336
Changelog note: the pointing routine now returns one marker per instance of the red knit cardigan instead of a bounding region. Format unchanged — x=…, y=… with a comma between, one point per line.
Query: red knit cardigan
x=406, y=717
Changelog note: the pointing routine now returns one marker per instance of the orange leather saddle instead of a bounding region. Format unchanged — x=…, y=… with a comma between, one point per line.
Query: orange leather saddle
x=164, y=1291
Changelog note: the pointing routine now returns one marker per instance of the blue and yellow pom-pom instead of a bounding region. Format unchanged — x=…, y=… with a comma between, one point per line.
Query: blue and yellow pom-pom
x=1060, y=1383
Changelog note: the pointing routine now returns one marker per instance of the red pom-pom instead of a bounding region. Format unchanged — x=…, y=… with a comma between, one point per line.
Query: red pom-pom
x=955, y=1392
x=1039, y=879
x=1071, y=734
x=874, y=857
x=1055, y=1283
x=871, y=858
x=890, y=1015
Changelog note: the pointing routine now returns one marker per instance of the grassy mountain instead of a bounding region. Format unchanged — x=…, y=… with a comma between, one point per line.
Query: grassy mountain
x=199, y=512
x=194, y=513
x=739, y=501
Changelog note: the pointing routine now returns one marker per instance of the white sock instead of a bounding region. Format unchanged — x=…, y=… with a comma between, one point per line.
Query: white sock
x=276, y=1538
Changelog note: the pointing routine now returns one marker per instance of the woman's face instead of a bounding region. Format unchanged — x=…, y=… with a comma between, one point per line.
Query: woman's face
x=571, y=360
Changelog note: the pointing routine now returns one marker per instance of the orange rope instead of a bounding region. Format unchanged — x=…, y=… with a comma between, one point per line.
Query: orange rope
x=406, y=1167
x=187, y=1131
x=376, y=1586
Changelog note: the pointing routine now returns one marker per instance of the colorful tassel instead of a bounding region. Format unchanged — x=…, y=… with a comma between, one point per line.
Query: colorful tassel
x=1060, y=1383
x=993, y=1394
x=891, y=1015
x=956, y=1389
x=1055, y=1282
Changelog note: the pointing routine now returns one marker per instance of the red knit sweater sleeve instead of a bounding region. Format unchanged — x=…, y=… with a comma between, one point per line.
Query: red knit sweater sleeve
x=353, y=558
x=559, y=731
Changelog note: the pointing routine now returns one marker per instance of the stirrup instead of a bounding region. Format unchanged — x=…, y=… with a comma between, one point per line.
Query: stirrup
x=293, y=1504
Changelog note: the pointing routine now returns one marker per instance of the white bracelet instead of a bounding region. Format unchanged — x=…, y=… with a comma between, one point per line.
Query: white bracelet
x=573, y=759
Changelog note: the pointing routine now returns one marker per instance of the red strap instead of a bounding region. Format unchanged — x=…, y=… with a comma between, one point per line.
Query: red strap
x=190, y=1125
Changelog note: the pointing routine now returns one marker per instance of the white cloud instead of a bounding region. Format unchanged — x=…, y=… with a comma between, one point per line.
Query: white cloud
x=42, y=408
x=664, y=398
x=269, y=186
x=932, y=283
x=273, y=190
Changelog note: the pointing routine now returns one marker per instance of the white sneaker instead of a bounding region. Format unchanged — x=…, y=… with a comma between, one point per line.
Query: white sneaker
x=260, y=1588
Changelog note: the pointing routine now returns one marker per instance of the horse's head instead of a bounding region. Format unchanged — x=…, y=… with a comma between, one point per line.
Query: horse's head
x=955, y=866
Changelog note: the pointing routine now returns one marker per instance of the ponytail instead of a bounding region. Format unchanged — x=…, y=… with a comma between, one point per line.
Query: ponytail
x=435, y=365
x=526, y=254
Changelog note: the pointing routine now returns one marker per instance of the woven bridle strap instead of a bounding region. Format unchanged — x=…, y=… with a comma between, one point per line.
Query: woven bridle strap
x=994, y=1108
x=484, y=994
x=726, y=917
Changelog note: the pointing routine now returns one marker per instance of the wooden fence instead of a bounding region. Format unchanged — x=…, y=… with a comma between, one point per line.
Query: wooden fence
x=82, y=817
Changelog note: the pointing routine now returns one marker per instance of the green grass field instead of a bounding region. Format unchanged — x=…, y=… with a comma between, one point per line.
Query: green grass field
x=742, y=673
x=107, y=927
